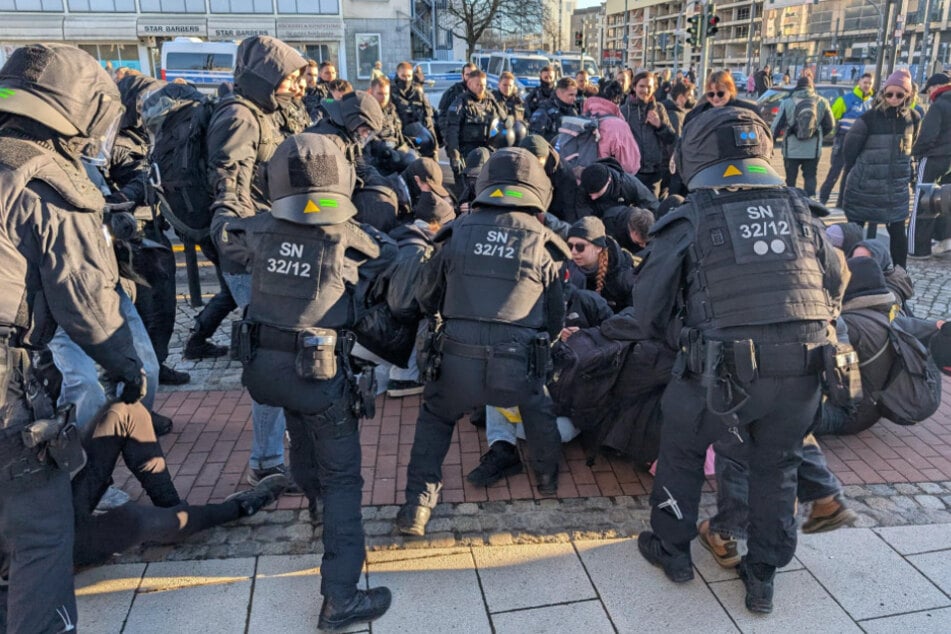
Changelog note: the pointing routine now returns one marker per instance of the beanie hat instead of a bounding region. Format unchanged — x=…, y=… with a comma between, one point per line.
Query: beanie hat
x=900, y=78
x=804, y=82
x=938, y=79
x=834, y=233
x=591, y=229
x=867, y=278
x=595, y=177
x=537, y=145
x=431, y=208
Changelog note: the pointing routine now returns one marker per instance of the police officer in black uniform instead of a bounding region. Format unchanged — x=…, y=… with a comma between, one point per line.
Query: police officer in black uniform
x=307, y=258
x=413, y=105
x=470, y=122
x=448, y=97
x=541, y=93
x=58, y=105
x=546, y=118
x=757, y=283
x=495, y=284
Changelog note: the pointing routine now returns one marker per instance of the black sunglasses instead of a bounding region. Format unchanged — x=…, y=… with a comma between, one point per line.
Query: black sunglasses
x=577, y=247
x=718, y=94
x=894, y=95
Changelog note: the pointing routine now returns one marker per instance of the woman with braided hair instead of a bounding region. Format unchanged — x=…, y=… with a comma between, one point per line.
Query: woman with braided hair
x=599, y=264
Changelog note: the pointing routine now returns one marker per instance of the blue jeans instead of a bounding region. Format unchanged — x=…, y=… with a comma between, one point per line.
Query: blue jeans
x=81, y=385
x=498, y=428
x=267, y=444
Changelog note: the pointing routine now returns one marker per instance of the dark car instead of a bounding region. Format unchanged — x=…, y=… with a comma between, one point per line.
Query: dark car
x=769, y=101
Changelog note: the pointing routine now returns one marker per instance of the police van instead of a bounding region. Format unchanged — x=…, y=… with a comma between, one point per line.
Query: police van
x=571, y=63
x=202, y=64
x=525, y=65
x=440, y=75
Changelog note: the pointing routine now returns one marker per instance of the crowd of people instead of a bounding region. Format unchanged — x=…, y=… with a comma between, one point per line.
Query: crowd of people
x=641, y=214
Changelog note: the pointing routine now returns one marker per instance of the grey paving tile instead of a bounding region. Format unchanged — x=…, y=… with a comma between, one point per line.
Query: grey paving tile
x=587, y=616
x=935, y=566
x=639, y=598
x=205, y=597
x=287, y=596
x=444, y=582
x=911, y=540
x=516, y=577
x=104, y=595
x=927, y=622
x=865, y=575
x=793, y=591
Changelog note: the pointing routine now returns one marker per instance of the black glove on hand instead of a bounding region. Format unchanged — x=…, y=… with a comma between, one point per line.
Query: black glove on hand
x=133, y=390
x=458, y=165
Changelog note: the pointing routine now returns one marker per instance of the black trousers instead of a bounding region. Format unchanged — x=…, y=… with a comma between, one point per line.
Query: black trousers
x=156, y=302
x=773, y=423
x=835, y=171
x=218, y=307
x=460, y=387
x=809, y=168
x=928, y=227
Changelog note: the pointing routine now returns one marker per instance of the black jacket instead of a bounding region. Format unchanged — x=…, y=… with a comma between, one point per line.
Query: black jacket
x=618, y=281
x=546, y=118
x=412, y=105
x=650, y=140
x=624, y=189
x=538, y=95
x=934, y=138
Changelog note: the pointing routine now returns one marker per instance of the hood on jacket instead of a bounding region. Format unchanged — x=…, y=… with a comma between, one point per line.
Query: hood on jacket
x=601, y=107
x=130, y=88
x=803, y=93
x=262, y=64
x=880, y=253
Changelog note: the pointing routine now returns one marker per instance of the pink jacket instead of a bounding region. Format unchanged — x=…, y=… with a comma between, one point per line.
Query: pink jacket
x=616, y=138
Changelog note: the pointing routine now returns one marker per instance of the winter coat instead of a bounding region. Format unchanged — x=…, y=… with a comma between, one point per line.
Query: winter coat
x=649, y=139
x=877, y=154
x=793, y=147
x=618, y=281
x=616, y=137
x=935, y=136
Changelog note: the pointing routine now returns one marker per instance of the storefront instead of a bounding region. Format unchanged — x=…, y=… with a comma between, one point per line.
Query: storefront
x=321, y=40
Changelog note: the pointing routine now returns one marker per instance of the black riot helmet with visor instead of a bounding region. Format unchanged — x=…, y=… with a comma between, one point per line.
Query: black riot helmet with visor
x=64, y=89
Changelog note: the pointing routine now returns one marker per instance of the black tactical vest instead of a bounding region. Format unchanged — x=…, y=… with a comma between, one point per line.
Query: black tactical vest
x=303, y=276
x=21, y=162
x=753, y=261
x=494, y=269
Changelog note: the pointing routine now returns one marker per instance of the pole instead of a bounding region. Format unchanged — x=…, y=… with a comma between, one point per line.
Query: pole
x=923, y=56
x=749, y=40
x=627, y=28
x=702, y=67
x=882, y=39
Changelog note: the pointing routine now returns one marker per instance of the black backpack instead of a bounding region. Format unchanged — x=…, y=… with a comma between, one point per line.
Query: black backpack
x=577, y=140
x=912, y=391
x=806, y=118
x=586, y=366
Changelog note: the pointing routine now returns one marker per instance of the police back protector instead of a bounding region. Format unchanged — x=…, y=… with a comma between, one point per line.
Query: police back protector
x=753, y=261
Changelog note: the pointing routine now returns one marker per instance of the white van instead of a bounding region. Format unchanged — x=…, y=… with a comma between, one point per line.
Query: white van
x=203, y=64
x=571, y=63
x=525, y=65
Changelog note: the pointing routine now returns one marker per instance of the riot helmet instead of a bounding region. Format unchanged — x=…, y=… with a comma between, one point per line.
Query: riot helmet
x=513, y=177
x=310, y=181
x=421, y=138
x=501, y=133
x=64, y=89
x=521, y=131
x=726, y=147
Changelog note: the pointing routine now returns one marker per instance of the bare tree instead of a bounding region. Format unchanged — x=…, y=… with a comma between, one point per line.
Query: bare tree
x=470, y=20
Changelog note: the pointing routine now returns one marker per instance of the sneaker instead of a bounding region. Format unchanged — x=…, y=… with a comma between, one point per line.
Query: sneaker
x=500, y=461
x=412, y=519
x=829, y=516
x=198, y=348
x=161, y=424
x=399, y=389
x=723, y=549
x=547, y=483
x=168, y=376
x=113, y=498
x=363, y=607
x=759, y=591
x=915, y=256
x=267, y=490
x=942, y=249
x=255, y=476
x=677, y=567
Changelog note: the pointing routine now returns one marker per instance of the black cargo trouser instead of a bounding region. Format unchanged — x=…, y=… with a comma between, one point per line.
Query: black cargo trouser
x=773, y=423
x=835, y=171
x=156, y=302
x=218, y=307
x=459, y=388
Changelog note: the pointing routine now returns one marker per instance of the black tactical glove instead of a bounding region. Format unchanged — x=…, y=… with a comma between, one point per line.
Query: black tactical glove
x=458, y=165
x=133, y=390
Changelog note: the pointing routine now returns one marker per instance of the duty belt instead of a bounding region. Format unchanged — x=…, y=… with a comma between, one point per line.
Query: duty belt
x=281, y=340
x=469, y=351
x=746, y=359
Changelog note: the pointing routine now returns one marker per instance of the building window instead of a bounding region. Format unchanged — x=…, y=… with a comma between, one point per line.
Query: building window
x=102, y=6
x=241, y=6
x=743, y=13
x=116, y=54
x=31, y=5
x=309, y=7
x=741, y=31
x=172, y=6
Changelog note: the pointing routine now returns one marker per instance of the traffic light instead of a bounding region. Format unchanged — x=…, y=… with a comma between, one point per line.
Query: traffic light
x=693, y=31
x=579, y=38
x=712, y=22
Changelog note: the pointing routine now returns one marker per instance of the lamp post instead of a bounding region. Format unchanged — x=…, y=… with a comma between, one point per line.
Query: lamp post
x=626, y=29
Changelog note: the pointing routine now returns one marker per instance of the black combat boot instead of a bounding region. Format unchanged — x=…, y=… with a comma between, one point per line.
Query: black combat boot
x=199, y=348
x=412, y=519
x=266, y=492
x=758, y=579
x=362, y=607
x=161, y=424
x=676, y=565
x=168, y=376
x=500, y=461
x=547, y=482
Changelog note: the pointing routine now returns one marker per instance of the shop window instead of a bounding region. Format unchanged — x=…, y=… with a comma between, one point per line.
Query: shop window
x=31, y=5
x=241, y=6
x=309, y=7
x=172, y=6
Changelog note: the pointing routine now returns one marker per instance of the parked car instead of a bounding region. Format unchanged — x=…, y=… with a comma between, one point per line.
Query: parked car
x=740, y=80
x=769, y=101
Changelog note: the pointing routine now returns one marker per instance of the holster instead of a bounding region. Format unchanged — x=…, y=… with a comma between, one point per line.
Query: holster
x=429, y=353
x=243, y=340
x=841, y=376
x=541, y=356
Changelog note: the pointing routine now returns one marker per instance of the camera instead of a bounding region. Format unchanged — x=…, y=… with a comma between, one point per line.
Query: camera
x=934, y=200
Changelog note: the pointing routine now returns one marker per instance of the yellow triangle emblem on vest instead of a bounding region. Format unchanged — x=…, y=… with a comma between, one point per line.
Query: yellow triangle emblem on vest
x=732, y=171
x=497, y=194
x=311, y=207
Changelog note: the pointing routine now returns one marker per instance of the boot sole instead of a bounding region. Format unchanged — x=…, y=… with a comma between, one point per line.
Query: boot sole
x=844, y=517
x=680, y=577
x=322, y=624
x=508, y=471
x=729, y=562
x=407, y=391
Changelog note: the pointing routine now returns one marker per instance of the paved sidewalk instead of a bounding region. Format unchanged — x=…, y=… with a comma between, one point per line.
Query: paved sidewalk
x=852, y=580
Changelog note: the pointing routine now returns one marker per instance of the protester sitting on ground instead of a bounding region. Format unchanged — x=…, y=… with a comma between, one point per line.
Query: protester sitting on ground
x=564, y=185
x=606, y=185
x=845, y=235
x=639, y=222
x=896, y=278
x=599, y=264
x=126, y=430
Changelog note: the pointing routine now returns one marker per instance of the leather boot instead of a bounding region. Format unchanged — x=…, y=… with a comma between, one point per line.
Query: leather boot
x=362, y=607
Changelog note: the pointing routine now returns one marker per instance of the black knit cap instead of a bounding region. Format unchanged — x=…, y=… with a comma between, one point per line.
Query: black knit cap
x=591, y=229
x=595, y=177
x=938, y=79
x=867, y=278
x=513, y=177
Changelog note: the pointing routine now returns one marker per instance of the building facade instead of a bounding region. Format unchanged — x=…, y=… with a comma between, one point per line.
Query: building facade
x=351, y=33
